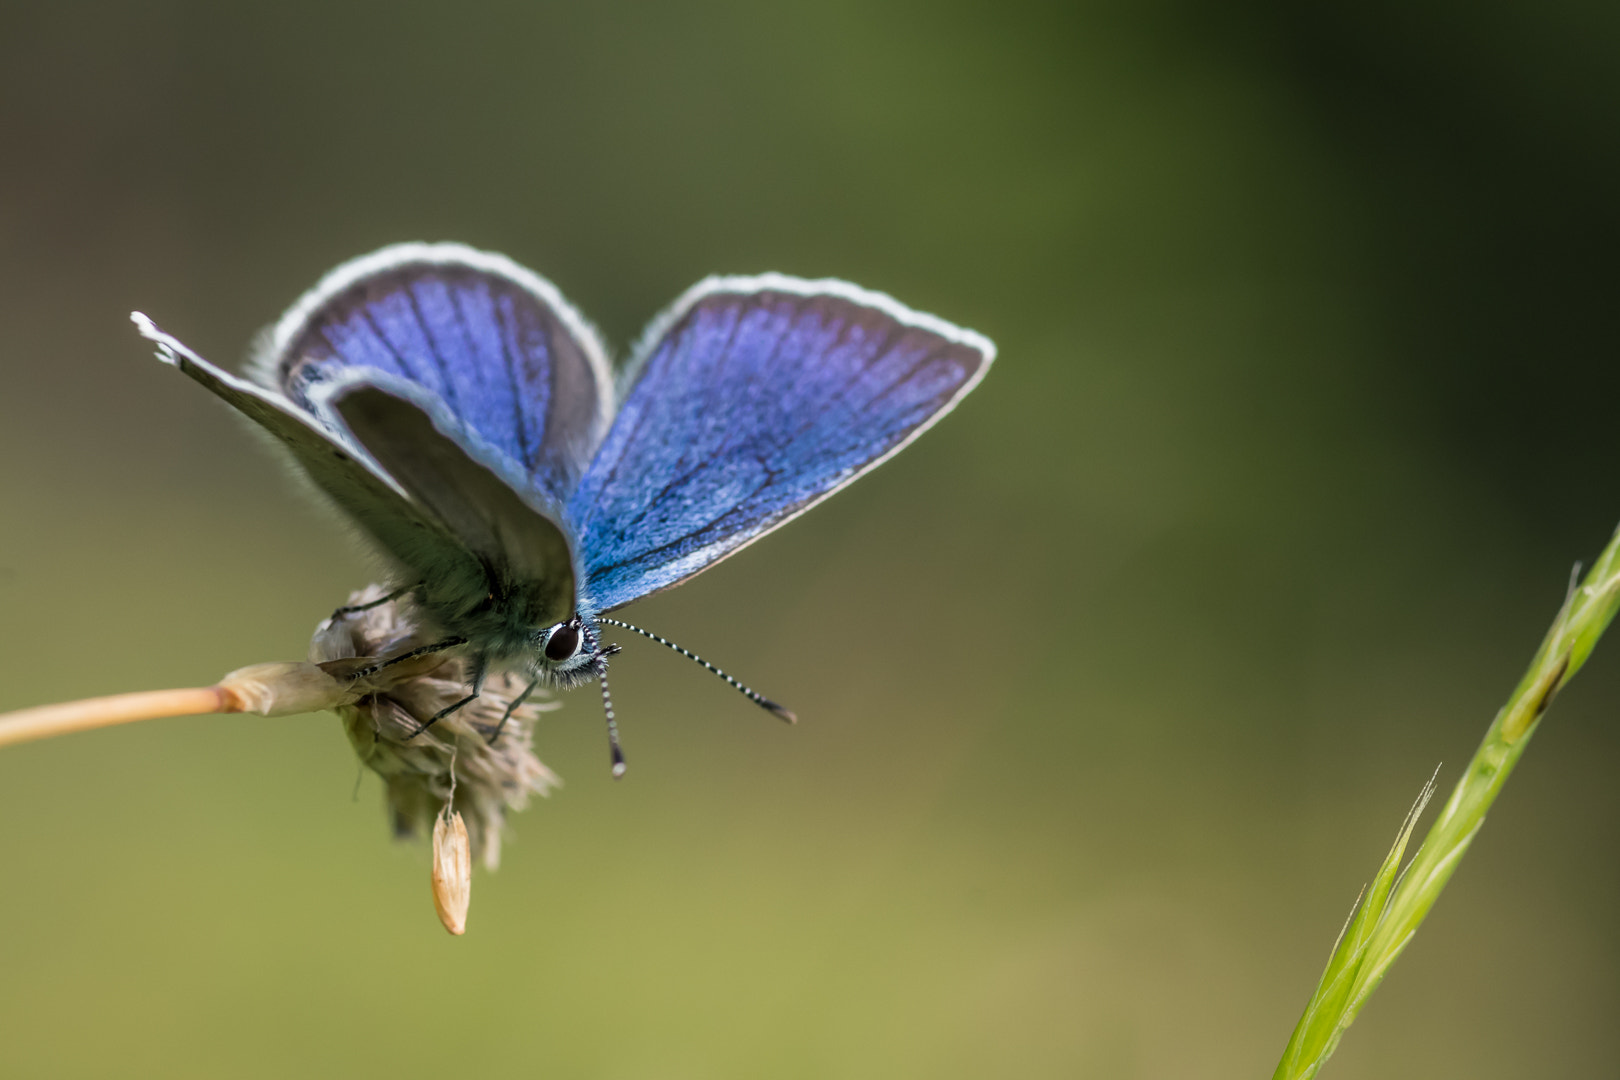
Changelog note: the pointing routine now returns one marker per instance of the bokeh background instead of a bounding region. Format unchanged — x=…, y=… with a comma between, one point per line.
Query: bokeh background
x=1115, y=686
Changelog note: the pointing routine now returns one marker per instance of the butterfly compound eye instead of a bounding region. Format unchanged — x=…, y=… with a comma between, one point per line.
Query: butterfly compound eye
x=563, y=643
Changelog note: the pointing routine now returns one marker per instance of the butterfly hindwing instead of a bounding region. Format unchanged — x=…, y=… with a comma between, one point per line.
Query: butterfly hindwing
x=526, y=577
x=750, y=400
x=495, y=342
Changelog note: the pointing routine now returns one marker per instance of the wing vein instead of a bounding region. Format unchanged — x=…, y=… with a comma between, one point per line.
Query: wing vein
x=447, y=386
x=737, y=418
x=399, y=358
x=506, y=331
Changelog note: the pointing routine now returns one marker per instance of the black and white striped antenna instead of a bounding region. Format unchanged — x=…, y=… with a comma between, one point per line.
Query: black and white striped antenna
x=757, y=698
x=614, y=748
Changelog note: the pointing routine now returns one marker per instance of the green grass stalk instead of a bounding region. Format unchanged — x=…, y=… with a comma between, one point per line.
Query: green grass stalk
x=1389, y=910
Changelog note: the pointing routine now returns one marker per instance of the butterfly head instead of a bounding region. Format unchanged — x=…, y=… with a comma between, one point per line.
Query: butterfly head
x=570, y=653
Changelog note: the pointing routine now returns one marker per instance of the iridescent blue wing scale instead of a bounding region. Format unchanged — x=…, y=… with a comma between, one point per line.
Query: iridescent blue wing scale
x=496, y=343
x=747, y=402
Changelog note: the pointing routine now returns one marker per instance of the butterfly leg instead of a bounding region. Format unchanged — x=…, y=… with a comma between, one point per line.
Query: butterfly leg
x=355, y=609
x=517, y=702
x=424, y=650
x=477, y=688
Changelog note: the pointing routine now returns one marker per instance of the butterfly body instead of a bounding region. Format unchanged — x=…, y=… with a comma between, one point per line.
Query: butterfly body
x=465, y=416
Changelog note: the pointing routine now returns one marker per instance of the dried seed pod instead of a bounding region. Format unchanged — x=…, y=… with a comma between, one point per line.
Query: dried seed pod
x=452, y=871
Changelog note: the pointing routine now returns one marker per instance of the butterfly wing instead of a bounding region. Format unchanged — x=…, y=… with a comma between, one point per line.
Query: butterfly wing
x=337, y=465
x=498, y=344
x=526, y=579
x=435, y=496
x=747, y=402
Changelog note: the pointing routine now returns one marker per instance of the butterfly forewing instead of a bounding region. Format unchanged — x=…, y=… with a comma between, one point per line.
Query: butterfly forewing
x=496, y=343
x=752, y=400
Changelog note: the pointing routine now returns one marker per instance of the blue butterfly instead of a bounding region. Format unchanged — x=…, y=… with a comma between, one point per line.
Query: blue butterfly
x=467, y=418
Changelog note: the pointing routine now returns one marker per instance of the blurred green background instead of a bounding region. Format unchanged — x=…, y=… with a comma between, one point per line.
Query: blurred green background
x=1115, y=686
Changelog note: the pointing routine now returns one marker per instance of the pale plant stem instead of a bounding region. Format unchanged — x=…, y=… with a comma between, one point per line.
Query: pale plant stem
x=26, y=725
x=274, y=689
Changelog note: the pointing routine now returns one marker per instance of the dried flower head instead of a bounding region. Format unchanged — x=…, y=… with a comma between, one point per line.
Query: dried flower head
x=452, y=764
